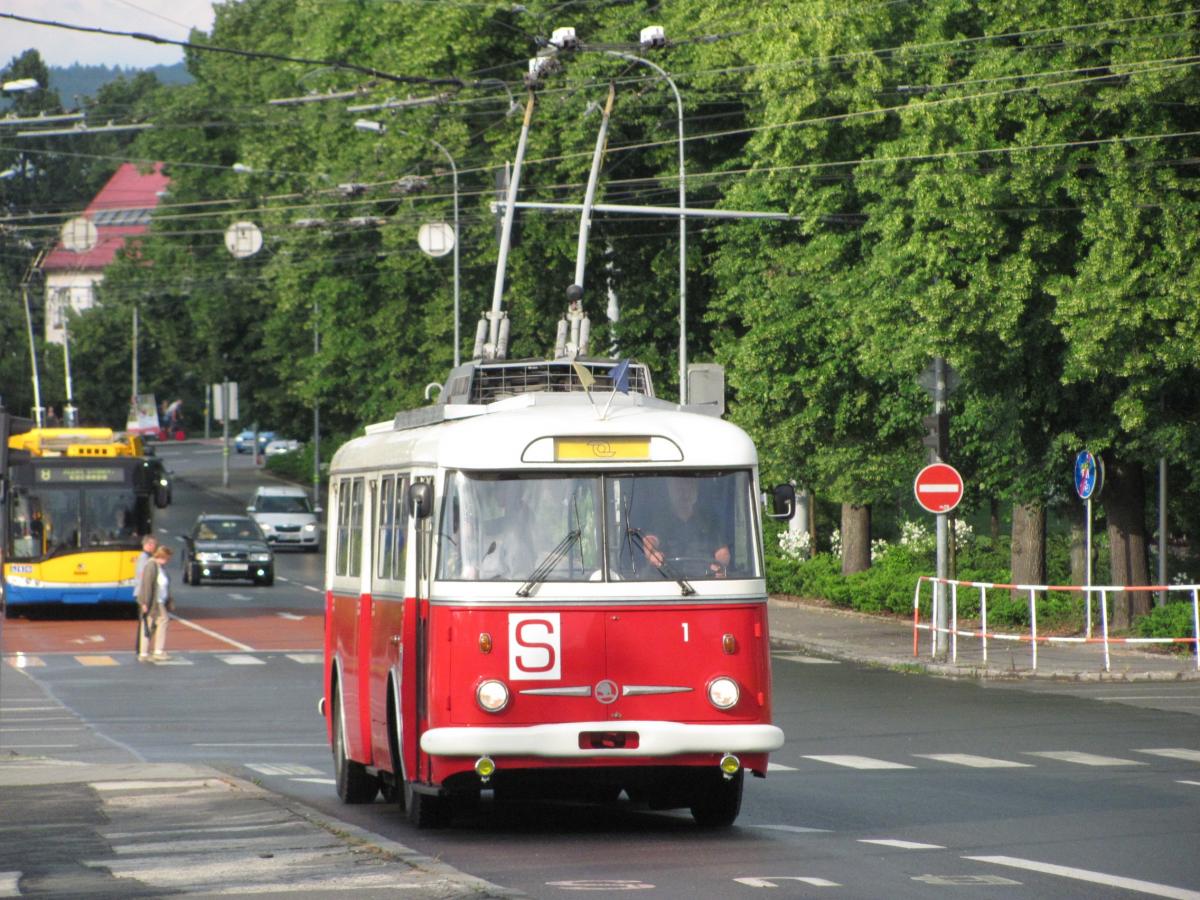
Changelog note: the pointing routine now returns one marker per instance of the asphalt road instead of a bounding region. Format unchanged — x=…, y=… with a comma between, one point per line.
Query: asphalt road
x=890, y=785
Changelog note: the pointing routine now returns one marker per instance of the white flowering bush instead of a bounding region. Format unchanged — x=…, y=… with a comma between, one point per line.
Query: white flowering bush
x=917, y=537
x=879, y=548
x=796, y=545
x=835, y=542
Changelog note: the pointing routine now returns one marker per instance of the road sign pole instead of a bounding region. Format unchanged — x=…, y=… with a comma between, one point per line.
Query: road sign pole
x=942, y=639
x=1087, y=569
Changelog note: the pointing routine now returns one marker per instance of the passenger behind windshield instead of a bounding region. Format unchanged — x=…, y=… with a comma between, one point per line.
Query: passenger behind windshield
x=503, y=529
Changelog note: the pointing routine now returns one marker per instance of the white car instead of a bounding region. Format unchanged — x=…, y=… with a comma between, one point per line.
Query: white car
x=286, y=517
x=279, y=446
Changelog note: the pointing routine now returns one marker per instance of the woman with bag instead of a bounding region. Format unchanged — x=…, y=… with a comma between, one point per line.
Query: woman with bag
x=153, y=594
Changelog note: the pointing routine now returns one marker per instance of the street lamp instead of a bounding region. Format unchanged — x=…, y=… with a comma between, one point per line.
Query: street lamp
x=653, y=37
x=380, y=128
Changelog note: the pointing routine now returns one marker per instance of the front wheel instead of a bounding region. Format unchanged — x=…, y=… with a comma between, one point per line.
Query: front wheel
x=717, y=799
x=426, y=810
x=354, y=783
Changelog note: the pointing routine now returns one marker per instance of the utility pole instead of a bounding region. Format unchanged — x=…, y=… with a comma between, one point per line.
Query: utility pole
x=937, y=379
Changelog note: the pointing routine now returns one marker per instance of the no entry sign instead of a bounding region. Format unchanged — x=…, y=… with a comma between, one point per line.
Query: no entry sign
x=938, y=487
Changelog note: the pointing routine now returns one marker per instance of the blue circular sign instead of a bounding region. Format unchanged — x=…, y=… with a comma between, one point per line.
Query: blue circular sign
x=1089, y=475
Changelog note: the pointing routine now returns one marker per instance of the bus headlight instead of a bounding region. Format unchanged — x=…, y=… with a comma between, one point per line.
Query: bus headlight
x=492, y=696
x=723, y=693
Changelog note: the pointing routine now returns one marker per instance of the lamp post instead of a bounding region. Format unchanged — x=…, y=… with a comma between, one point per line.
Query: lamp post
x=380, y=128
x=653, y=36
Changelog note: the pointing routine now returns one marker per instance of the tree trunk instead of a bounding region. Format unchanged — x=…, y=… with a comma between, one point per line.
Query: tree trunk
x=1029, y=544
x=856, y=538
x=1125, y=507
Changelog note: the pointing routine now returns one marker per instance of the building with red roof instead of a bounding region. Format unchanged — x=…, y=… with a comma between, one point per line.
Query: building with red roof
x=119, y=212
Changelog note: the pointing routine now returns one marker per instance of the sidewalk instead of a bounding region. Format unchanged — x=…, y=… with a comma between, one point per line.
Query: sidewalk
x=888, y=641
x=104, y=824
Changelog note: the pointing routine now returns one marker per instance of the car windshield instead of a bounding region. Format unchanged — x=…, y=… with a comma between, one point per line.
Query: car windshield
x=593, y=527
x=226, y=530
x=269, y=504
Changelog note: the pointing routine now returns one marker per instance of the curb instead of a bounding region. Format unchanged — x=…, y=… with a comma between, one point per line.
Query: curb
x=785, y=641
x=359, y=835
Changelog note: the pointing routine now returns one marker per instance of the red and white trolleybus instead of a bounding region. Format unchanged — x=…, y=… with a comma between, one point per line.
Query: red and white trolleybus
x=546, y=591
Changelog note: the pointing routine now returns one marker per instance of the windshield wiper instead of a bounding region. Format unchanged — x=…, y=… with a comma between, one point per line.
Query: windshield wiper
x=635, y=537
x=547, y=565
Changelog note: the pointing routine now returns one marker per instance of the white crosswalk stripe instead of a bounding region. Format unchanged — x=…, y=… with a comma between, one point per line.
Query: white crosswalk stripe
x=859, y=762
x=1174, y=753
x=306, y=658
x=974, y=762
x=240, y=659
x=282, y=769
x=1084, y=759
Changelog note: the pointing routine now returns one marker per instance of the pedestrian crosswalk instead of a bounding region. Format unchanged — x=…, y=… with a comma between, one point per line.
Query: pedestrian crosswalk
x=973, y=761
x=100, y=660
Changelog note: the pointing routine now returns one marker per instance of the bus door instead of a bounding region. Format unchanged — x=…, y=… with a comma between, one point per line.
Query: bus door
x=349, y=609
x=414, y=664
x=387, y=601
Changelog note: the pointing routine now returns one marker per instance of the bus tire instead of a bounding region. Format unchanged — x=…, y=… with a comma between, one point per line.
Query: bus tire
x=717, y=800
x=425, y=810
x=354, y=783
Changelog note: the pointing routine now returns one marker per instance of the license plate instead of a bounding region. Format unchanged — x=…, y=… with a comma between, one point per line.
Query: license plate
x=235, y=567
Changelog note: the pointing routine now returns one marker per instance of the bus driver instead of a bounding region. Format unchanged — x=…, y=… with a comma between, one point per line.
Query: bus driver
x=683, y=531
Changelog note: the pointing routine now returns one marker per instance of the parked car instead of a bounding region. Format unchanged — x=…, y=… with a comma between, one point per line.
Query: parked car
x=286, y=517
x=244, y=442
x=225, y=547
x=280, y=446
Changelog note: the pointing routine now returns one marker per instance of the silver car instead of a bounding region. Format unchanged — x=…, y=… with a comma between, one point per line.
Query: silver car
x=286, y=517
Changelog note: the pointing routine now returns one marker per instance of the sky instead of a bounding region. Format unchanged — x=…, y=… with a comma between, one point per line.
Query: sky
x=59, y=47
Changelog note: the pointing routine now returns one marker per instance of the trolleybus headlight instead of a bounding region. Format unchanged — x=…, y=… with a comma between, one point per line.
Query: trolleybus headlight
x=723, y=693
x=492, y=696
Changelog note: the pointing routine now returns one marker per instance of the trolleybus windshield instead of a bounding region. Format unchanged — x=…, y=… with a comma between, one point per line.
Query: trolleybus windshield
x=598, y=527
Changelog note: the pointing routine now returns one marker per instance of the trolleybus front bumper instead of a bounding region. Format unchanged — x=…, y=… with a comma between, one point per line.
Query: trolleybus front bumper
x=588, y=739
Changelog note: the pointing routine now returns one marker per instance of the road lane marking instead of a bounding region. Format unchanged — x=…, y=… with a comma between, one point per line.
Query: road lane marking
x=10, y=884
x=1085, y=759
x=291, y=617
x=901, y=845
x=807, y=660
x=92, y=660
x=21, y=661
x=859, y=762
x=779, y=767
x=1116, y=881
x=256, y=744
x=238, y=597
x=792, y=829
x=306, y=658
x=1195, y=783
x=1174, y=753
x=975, y=762
x=212, y=634
x=314, y=780
x=240, y=659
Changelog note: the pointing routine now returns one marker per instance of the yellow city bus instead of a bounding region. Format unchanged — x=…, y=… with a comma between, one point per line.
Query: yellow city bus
x=80, y=500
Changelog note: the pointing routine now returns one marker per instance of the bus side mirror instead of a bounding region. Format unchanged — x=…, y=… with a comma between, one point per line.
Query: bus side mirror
x=783, y=502
x=420, y=499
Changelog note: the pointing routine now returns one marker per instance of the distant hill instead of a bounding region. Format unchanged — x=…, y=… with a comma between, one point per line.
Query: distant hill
x=83, y=81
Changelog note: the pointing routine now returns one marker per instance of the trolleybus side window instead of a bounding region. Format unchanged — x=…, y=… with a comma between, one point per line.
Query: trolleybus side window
x=390, y=531
x=348, y=560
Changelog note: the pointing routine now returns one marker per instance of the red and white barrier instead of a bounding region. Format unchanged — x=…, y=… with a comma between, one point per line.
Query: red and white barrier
x=954, y=632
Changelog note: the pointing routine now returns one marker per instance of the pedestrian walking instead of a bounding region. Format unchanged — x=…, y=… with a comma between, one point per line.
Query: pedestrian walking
x=153, y=594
